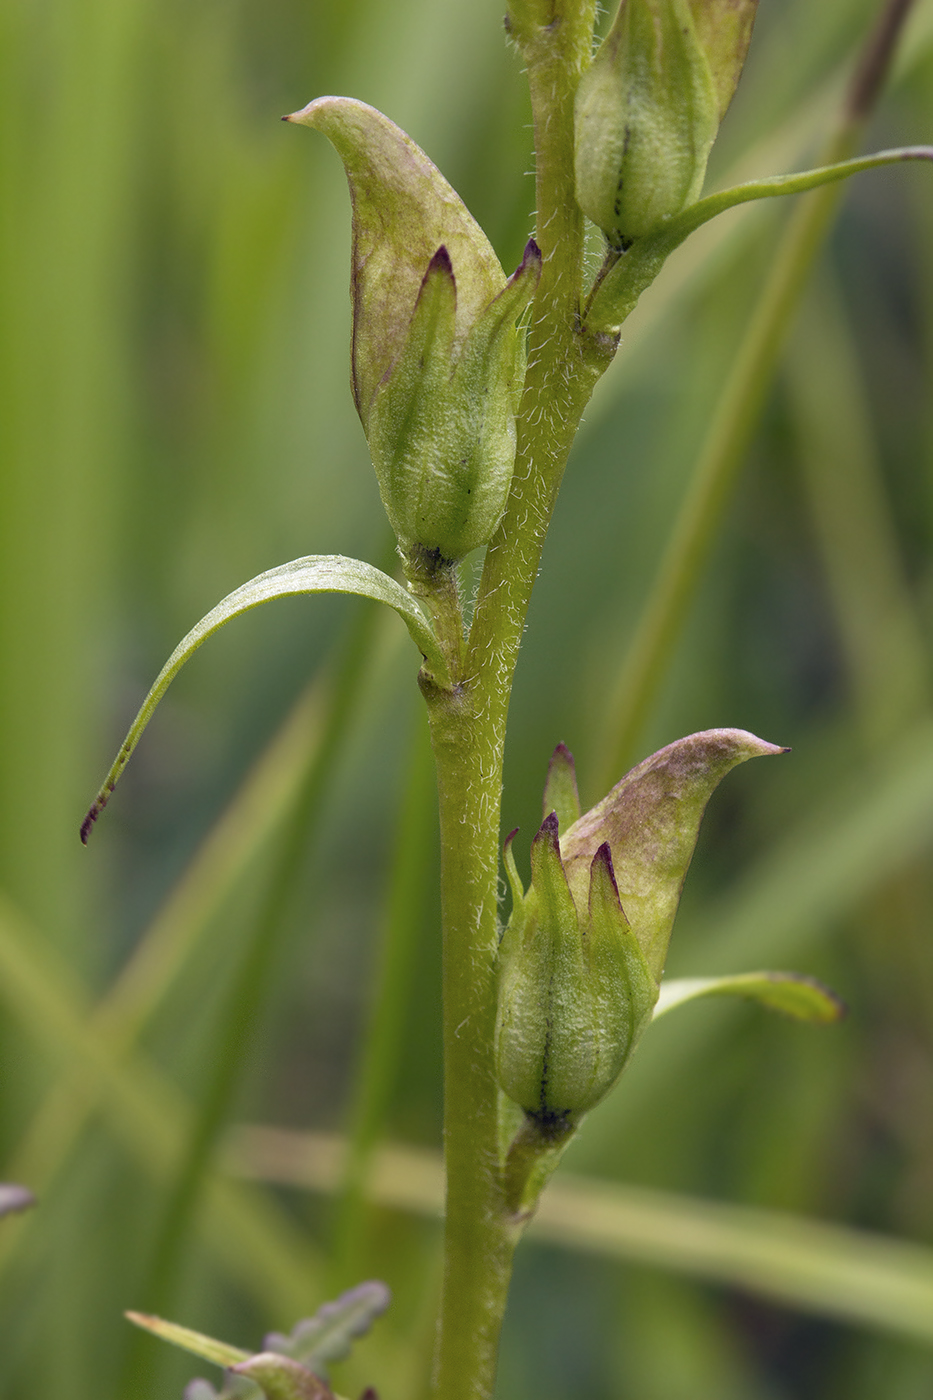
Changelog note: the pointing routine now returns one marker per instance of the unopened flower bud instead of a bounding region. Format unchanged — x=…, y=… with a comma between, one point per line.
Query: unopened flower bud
x=582, y=957
x=575, y=990
x=442, y=422
x=649, y=108
x=437, y=360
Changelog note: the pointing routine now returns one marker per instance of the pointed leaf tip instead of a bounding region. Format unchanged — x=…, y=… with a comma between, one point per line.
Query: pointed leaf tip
x=316, y=573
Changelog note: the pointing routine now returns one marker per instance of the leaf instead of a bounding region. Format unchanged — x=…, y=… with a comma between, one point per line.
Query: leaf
x=615, y=297
x=316, y=573
x=797, y=183
x=208, y=1348
x=791, y=993
x=403, y=212
x=14, y=1198
x=863, y=1278
x=329, y=1335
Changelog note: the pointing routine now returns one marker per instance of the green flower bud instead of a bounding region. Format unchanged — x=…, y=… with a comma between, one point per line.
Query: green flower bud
x=581, y=960
x=437, y=360
x=575, y=990
x=649, y=108
x=442, y=423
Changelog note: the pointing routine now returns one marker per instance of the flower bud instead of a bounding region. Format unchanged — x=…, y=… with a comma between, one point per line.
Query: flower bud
x=581, y=960
x=575, y=991
x=437, y=360
x=442, y=423
x=649, y=108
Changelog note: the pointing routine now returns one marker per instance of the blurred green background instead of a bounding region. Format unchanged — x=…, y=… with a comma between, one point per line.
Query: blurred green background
x=174, y=336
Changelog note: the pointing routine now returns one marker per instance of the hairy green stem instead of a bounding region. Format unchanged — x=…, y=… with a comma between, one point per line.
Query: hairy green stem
x=468, y=721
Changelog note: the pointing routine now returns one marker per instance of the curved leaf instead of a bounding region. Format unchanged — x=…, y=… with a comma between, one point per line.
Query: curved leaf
x=797, y=183
x=316, y=573
x=615, y=297
x=791, y=993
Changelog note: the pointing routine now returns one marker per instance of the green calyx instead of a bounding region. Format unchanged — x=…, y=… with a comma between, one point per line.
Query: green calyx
x=575, y=991
x=648, y=110
x=442, y=425
x=437, y=361
x=583, y=954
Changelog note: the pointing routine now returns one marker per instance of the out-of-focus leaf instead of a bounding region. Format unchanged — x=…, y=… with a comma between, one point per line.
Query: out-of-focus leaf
x=316, y=573
x=867, y=1279
x=328, y=1336
x=208, y=1348
x=149, y=1115
x=789, y=992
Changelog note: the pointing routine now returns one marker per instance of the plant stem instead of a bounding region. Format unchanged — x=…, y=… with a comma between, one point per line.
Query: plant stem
x=468, y=722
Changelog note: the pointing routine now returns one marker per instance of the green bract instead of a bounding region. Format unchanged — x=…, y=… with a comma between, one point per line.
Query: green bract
x=582, y=957
x=437, y=362
x=649, y=108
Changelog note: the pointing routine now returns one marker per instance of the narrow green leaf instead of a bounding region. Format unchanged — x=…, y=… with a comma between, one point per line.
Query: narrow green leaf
x=316, y=573
x=789, y=992
x=208, y=1348
x=797, y=183
x=863, y=1278
x=616, y=295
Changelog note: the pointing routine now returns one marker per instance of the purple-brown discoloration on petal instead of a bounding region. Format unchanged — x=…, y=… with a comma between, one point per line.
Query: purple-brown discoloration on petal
x=651, y=820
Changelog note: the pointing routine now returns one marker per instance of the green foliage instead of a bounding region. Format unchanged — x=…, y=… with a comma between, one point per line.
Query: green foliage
x=174, y=351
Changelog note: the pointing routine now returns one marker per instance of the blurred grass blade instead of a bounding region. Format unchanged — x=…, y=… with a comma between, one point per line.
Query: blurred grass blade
x=235, y=1032
x=733, y=422
x=256, y=1244
x=851, y=1275
x=884, y=646
x=377, y=1072
x=208, y=1348
x=616, y=296
x=788, y=992
x=870, y=827
x=316, y=573
x=178, y=929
